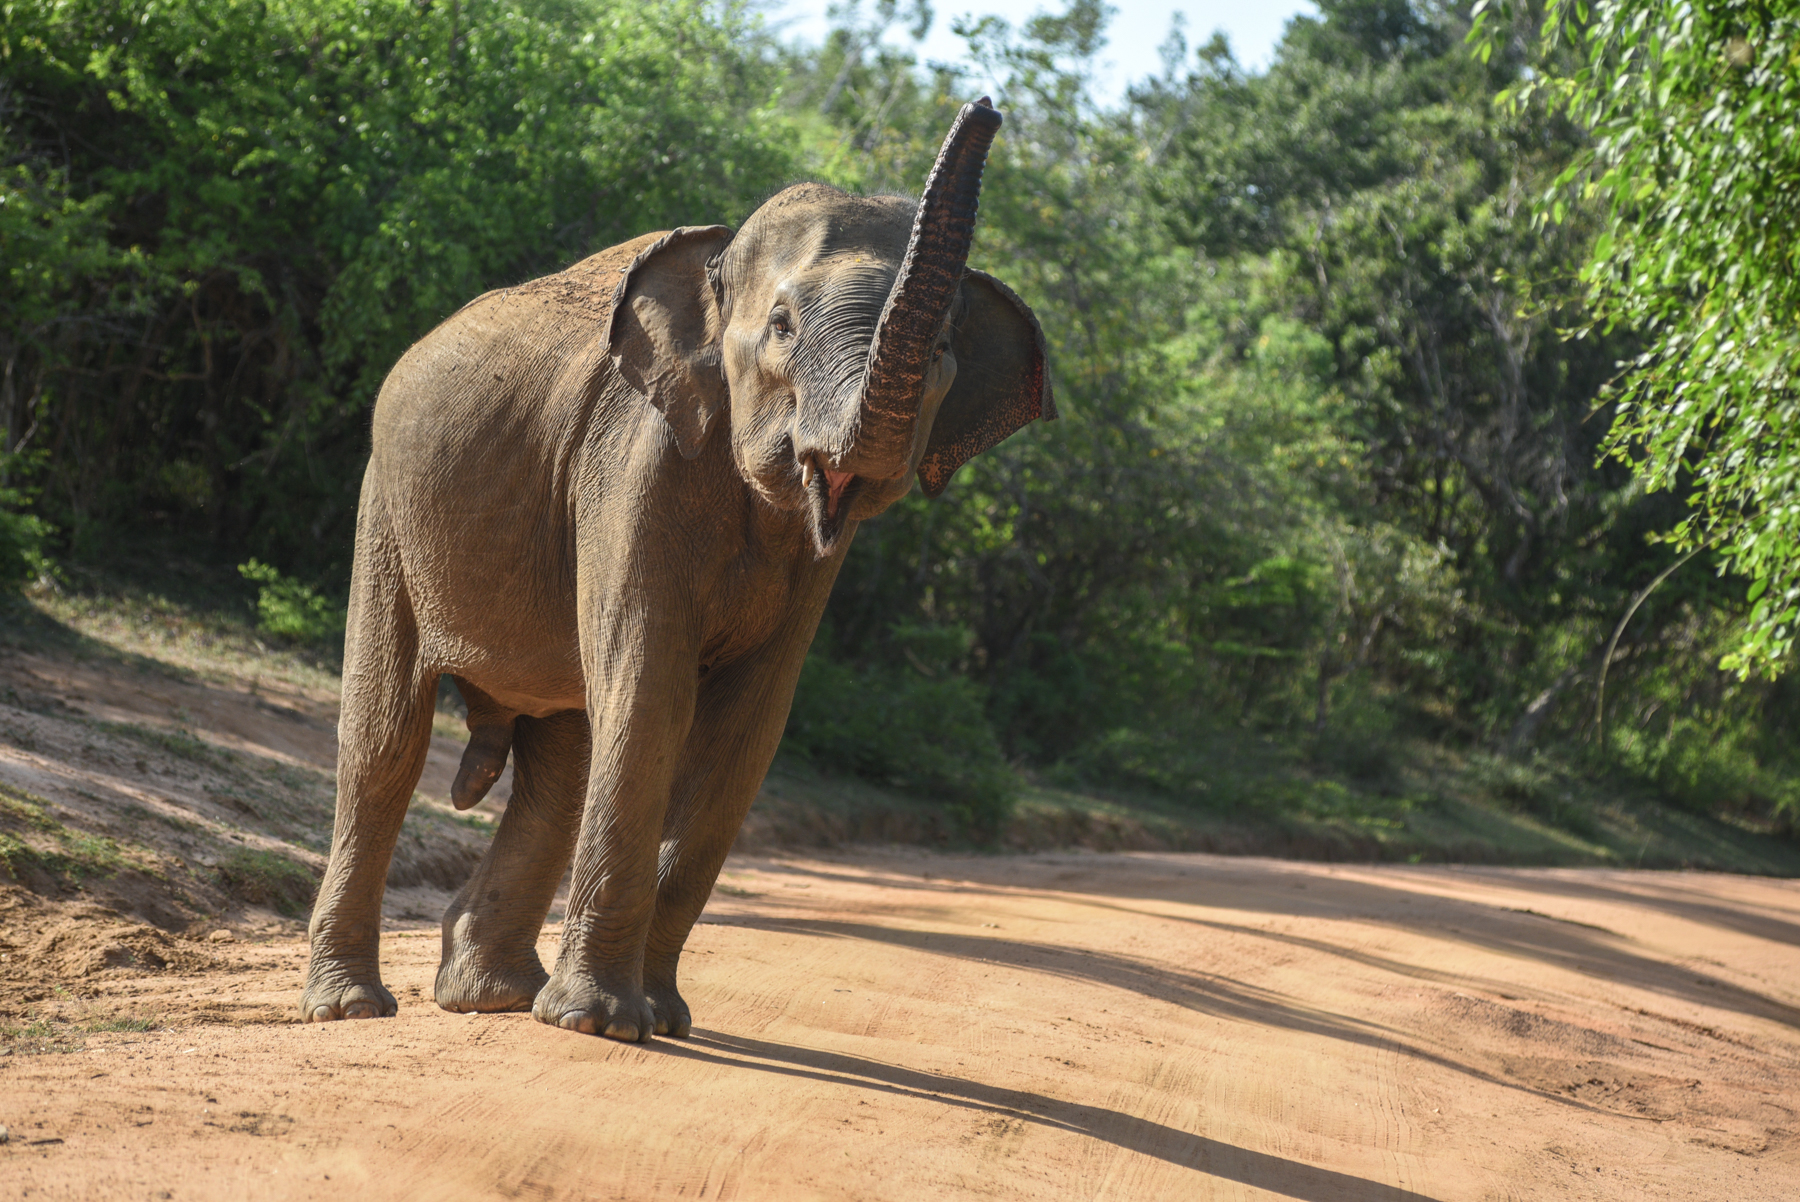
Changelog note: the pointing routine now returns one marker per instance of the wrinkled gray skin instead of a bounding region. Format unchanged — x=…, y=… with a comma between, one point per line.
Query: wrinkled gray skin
x=603, y=502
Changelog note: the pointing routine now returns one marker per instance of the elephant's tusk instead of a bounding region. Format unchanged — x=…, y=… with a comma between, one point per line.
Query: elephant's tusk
x=806, y=473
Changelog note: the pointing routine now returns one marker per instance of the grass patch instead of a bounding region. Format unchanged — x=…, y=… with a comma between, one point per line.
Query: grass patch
x=132, y=812
x=166, y=606
x=21, y=809
x=234, y=799
x=178, y=741
x=53, y=1035
x=39, y=1037
x=81, y=857
x=267, y=878
x=810, y=807
x=290, y=800
x=298, y=780
x=26, y=827
x=123, y=1024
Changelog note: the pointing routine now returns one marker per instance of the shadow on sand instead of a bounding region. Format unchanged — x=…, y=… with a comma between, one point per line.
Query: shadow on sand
x=1508, y=932
x=1278, y=1175
x=1203, y=993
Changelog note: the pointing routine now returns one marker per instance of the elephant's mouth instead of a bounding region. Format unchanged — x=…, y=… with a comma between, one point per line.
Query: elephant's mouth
x=829, y=496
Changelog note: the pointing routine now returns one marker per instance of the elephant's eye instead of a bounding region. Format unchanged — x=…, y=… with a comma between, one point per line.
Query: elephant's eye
x=781, y=324
x=937, y=352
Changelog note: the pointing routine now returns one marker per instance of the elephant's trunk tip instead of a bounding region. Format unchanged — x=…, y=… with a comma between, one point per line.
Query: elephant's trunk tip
x=925, y=287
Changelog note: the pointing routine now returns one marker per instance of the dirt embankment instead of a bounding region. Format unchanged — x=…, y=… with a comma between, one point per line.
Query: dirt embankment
x=869, y=1024
x=188, y=799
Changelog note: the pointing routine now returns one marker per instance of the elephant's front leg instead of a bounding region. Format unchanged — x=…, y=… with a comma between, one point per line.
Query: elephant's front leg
x=738, y=721
x=640, y=713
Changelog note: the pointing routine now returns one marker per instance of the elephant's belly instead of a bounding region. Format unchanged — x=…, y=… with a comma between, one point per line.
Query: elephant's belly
x=528, y=661
x=536, y=701
x=493, y=591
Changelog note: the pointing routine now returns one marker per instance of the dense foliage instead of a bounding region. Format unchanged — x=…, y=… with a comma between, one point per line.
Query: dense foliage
x=1328, y=489
x=1328, y=480
x=225, y=219
x=1694, y=107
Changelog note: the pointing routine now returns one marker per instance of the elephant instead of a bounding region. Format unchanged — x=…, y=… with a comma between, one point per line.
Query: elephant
x=610, y=504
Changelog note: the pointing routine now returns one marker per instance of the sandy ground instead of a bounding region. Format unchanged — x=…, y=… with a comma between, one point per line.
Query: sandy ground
x=1053, y=1026
x=869, y=1025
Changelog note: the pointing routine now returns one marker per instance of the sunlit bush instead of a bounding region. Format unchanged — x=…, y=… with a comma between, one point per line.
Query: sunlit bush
x=288, y=609
x=22, y=536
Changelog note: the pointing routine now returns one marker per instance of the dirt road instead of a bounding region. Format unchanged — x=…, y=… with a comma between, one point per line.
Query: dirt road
x=911, y=1026
x=884, y=1025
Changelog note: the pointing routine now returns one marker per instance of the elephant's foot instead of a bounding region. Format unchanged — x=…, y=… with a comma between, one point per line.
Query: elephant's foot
x=336, y=990
x=470, y=983
x=579, y=1002
x=672, y=1016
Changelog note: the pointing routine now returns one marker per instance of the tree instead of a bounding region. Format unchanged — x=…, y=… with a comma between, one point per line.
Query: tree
x=1694, y=112
x=224, y=220
x=1388, y=203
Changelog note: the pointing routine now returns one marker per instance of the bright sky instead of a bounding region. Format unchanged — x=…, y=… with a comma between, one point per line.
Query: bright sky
x=1138, y=27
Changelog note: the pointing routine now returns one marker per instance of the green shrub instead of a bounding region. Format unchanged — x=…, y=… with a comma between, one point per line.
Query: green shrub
x=1710, y=767
x=1358, y=741
x=1537, y=787
x=1155, y=760
x=291, y=610
x=929, y=735
x=22, y=538
x=314, y=184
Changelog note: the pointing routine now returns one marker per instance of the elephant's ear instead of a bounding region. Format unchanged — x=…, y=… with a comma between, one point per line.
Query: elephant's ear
x=666, y=325
x=1002, y=379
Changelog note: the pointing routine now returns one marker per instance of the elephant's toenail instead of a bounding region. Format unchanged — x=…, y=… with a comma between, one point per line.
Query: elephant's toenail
x=618, y=1028
x=361, y=1010
x=662, y=1026
x=574, y=1020
x=322, y=1014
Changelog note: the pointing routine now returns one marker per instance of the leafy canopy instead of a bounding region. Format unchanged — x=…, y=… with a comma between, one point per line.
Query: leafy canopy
x=1694, y=108
x=225, y=219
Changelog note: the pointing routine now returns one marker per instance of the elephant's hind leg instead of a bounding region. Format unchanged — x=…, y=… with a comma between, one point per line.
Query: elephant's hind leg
x=384, y=731
x=490, y=960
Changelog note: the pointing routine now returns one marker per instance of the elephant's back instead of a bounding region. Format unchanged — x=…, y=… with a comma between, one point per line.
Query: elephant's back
x=502, y=364
x=475, y=449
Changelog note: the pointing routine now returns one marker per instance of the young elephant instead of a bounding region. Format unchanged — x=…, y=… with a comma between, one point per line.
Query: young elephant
x=611, y=503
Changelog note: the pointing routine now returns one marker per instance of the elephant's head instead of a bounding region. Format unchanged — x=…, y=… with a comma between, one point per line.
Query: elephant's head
x=845, y=337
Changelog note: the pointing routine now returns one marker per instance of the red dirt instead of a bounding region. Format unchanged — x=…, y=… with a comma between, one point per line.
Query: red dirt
x=916, y=1026
x=870, y=1024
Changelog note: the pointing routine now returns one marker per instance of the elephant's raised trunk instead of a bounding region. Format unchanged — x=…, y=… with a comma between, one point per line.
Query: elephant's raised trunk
x=906, y=335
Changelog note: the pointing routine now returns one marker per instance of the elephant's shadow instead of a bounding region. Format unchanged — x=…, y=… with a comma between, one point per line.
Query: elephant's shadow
x=1279, y=1175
